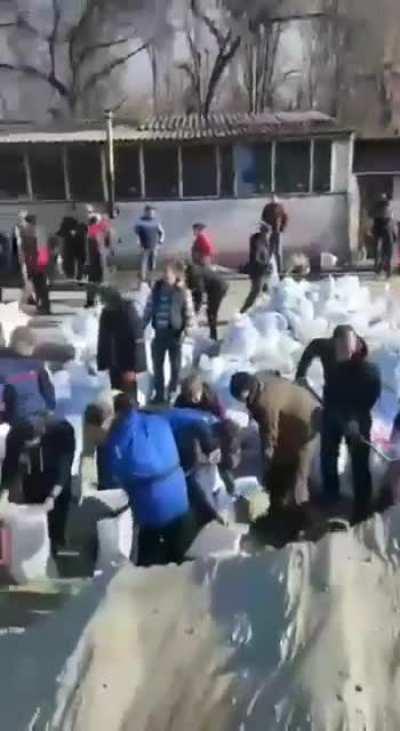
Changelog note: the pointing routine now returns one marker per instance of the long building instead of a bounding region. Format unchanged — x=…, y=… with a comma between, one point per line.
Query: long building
x=220, y=170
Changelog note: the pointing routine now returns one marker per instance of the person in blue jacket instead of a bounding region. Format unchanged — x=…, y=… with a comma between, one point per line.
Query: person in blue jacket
x=202, y=438
x=140, y=454
x=26, y=390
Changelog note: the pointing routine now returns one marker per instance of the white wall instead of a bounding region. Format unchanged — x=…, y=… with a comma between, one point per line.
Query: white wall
x=342, y=163
x=321, y=220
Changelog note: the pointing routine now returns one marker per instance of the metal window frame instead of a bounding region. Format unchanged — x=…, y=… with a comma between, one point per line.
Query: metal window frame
x=28, y=174
x=103, y=163
x=67, y=183
x=273, y=166
x=312, y=162
x=142, y=172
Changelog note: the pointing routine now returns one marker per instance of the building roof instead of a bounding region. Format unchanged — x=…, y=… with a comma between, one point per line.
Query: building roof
x=175, y=128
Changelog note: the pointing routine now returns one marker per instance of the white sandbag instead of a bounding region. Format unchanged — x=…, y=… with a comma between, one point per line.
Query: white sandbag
x=217, y=540
x=278, y=354
x=115, y=540
x=211, y=368
x=144, y=383
x=82, y=332
x=140, y=296
x=4, y=429
x=269, y=324
x=328, y=260
x=62, y=385
x=210, y=481
x=241, y=339
x=30, y=558
x=11, y=317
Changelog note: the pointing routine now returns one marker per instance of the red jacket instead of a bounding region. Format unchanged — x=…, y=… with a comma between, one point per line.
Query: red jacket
x=203, y=248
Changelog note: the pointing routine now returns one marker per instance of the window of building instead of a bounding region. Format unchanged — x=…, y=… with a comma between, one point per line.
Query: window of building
x=227, y=171
x=13, y=182
x=253, y=169
x=322, y=166
x=84, y=171
x=199, y=171
x=161, y=172
x=292, y=171
x=127, y=172
x=47, y=171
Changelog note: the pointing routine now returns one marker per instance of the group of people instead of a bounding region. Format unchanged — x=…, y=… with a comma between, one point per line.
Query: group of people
x=290, y=416
x=86, y=247
x=177, y=463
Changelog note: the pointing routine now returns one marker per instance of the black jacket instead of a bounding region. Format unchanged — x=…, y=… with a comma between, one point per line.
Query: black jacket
x=324, y=350
x=73, y=234
x=259, y=255
x=50, y=461
x=203, y=280
x=121, y=343
x=352, y=390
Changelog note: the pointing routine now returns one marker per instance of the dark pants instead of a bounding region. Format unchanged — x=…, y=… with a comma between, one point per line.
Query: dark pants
x=331, y=437
x=36, y=492
x=213, y=307
x=166, y=545
x=41, y=288
x=166, y=343
x=148, y=263
x=384, y=244
x=197, y=297
x=123, y=381
x=73, y=262
x=259, y=283
x=276, y=249
x=95, y=278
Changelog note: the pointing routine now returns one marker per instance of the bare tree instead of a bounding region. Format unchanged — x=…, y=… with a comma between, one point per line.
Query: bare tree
x=85, y=61
x=205, y=70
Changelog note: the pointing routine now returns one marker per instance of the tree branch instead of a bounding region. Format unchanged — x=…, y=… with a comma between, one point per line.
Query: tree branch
x=108, y=68
x=91, y=50
x=28, y=70
x=222, y=61
x=53, y=38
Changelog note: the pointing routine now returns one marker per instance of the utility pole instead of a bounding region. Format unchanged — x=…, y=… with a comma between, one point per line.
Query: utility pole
x=110, y=163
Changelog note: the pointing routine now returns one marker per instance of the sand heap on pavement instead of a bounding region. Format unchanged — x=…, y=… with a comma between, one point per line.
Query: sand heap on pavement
x=303, y=638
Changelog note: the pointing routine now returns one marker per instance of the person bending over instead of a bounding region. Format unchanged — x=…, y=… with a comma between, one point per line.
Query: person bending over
x=140, y=455
x=288, y=420
x=37, y=469
x=196, y=394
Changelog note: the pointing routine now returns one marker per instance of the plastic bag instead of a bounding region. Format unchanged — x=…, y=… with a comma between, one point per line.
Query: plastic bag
x=241, y=339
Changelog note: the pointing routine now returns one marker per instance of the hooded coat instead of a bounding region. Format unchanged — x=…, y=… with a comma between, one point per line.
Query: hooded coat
x=142, y=457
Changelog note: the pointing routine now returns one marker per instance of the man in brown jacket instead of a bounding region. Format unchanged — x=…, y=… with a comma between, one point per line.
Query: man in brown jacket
x=288, y=419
